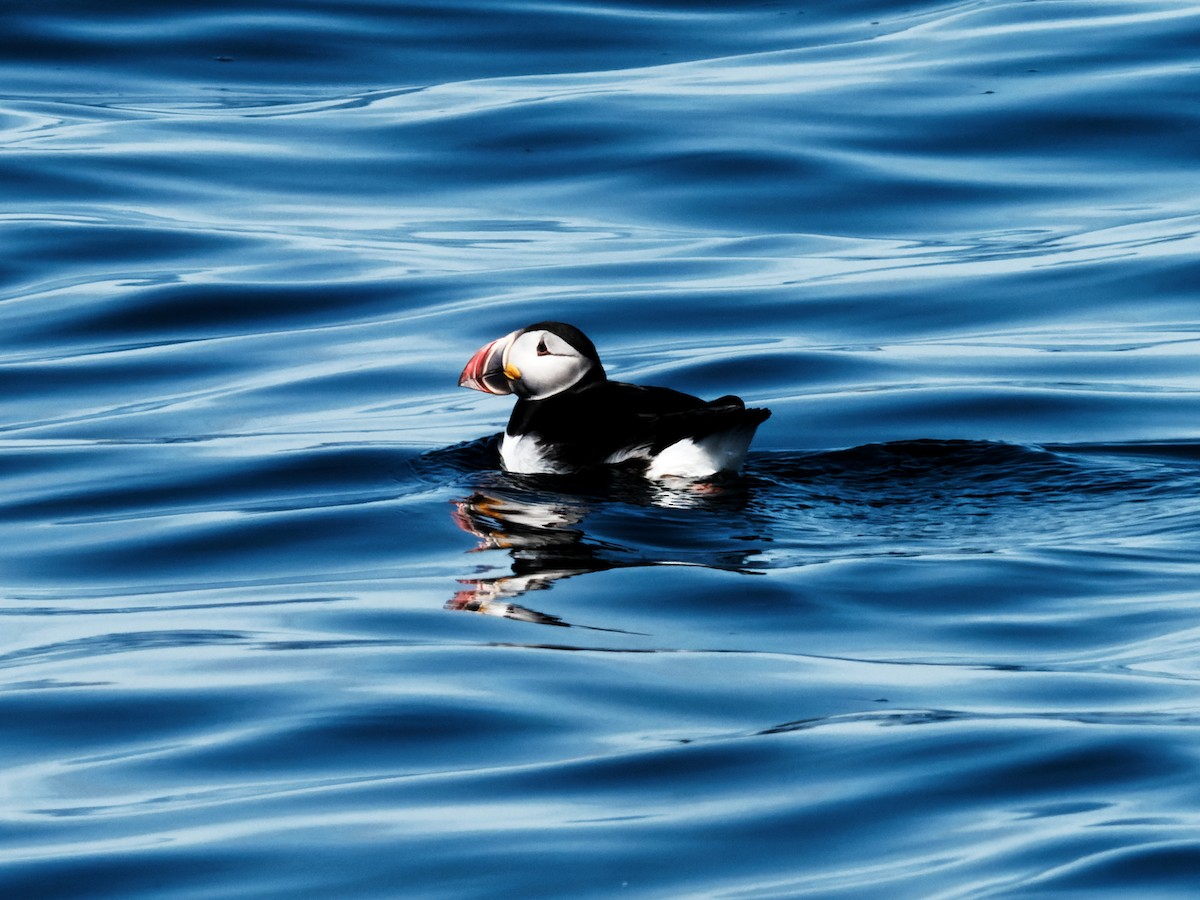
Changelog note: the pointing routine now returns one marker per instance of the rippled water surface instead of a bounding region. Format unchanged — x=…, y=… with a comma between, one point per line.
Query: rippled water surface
x=273, y=624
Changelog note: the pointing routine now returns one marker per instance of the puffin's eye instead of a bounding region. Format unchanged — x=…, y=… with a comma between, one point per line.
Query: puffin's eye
x=541, y=347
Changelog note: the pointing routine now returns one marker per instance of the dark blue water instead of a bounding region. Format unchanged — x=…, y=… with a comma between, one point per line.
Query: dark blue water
x=271, y=622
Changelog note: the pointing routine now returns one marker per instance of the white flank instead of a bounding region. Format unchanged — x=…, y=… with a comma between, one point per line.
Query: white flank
x=720, y=452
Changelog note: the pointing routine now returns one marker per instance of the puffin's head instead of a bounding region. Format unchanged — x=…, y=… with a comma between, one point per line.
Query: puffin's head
x=534, y=363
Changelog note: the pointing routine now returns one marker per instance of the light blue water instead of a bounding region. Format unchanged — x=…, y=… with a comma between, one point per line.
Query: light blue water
x=940, y=641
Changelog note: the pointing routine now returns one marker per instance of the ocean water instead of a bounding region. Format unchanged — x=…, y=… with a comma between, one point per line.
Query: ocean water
x=273, y=624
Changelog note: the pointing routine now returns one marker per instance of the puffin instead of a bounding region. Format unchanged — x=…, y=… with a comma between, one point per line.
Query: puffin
x=569, y=417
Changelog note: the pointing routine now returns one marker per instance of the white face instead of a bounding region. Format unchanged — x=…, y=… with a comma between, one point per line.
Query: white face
x=540, y=364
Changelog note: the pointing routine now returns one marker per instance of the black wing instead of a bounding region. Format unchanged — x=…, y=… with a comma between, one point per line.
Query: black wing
x=585, y=427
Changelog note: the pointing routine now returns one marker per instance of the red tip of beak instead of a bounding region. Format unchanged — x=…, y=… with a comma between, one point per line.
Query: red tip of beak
x=485, y=370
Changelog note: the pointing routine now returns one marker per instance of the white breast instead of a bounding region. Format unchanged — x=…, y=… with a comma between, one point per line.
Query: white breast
x=524, y=455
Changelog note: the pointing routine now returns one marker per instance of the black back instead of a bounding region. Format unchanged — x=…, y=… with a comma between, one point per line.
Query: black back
x=590, y=422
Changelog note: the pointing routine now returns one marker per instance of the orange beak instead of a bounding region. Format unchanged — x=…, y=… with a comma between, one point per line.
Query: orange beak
x=485, y=370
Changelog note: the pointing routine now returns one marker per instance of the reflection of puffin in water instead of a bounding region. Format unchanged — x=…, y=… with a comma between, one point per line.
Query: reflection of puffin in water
x=570, y=417
x=543, y=542
x=543, y=533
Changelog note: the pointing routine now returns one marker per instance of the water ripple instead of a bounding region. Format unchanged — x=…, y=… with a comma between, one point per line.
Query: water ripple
x=276, y=624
